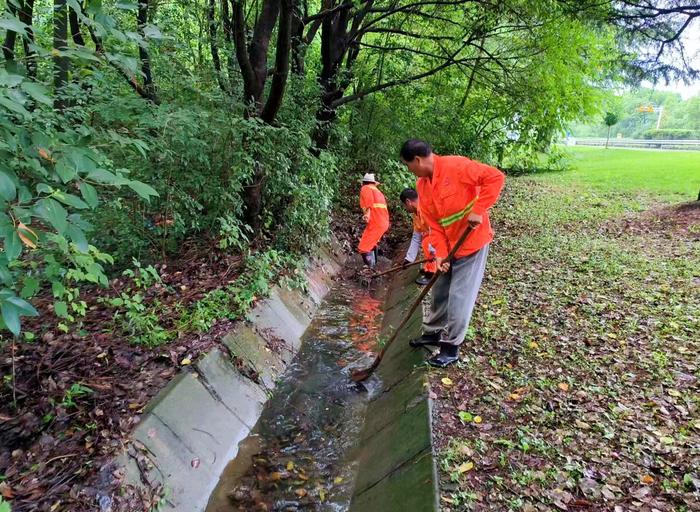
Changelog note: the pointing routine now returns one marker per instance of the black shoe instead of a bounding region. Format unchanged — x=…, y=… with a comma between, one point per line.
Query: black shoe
x=424, y=278
x=448, y=355
x=425, y=339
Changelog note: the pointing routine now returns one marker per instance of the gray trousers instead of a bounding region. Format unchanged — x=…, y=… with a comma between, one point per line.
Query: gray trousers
x=454, y=295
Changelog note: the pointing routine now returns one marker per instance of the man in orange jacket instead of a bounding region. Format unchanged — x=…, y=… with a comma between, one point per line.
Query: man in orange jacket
x=376, y=215
x=446, y=187
x=419, y=239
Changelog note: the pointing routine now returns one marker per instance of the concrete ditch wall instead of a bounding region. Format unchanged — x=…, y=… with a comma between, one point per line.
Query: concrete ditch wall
x=192, y=428
x=397, y=470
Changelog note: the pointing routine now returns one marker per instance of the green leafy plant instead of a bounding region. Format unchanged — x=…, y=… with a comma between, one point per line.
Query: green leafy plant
x=77, y=390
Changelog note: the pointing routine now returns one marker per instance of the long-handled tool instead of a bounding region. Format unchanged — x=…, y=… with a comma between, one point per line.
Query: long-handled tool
x=360, y=375
x=401, y=267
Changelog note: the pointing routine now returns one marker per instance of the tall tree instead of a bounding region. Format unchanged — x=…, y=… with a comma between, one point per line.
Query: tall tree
x=60, y=46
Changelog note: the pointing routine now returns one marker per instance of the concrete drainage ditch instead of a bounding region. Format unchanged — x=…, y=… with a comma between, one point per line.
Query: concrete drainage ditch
x=293, y=414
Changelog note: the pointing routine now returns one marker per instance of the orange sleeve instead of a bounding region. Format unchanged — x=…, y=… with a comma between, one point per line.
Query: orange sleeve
x=366, y=197
x=489, y=180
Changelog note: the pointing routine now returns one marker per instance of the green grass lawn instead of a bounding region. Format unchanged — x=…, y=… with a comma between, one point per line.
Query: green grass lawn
x=672, y=174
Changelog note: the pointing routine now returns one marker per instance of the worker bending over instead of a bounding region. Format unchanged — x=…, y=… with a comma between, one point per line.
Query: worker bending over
x=446, y=187
x=409, y=199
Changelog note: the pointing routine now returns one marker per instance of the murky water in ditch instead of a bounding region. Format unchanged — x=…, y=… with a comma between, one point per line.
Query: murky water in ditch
x=300, y=454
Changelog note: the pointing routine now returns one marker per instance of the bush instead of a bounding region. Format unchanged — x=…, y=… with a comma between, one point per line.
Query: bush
x=671, y=134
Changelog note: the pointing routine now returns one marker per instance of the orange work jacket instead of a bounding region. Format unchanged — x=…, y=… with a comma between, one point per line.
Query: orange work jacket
x=444, y=200
x=372, y=198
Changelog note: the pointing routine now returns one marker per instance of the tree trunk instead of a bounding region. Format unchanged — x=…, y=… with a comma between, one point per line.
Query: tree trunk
x=26, y=16
x=60, y=43
x=8, y=46
x=75, y=32
x=608, y=139
x=148, y=85
x=214, y=44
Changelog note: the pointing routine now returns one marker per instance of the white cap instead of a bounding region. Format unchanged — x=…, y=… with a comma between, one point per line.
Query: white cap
x=369, y=177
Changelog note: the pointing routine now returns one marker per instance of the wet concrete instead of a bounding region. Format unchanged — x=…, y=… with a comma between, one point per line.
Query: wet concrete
x=302, y=454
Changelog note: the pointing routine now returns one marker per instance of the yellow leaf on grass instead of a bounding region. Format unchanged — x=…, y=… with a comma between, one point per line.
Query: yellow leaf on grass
x=322, y=495
x=647, y=479
x=477, y=419
x=446, y=381
x=337, y=480
x=674, y=392
x=186, y=361
x=290, y=465
x=463, y=468
x=563, y=386
x=301, y=492
x=514, y=396
x=534, y=344
x=275, y=475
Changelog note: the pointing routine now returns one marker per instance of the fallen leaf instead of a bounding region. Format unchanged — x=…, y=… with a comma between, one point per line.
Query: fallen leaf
x=674, y=392
x=446, y=381
x=275, y=475
x=322, y=495
x=465, y=416
x=514, y=396
x=477, y=419
x=647, y=479
x=463, y=468
x=186, y=361
x=534, y=344
x=6, y=491
x=337, y=480
x=290, y=465
x=563, y=386
x=301, y=492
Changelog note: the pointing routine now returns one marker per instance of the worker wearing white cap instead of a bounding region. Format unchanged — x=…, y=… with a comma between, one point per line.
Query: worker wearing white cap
x=376, y=215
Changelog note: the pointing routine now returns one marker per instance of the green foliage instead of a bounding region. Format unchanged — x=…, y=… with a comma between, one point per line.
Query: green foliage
x=4, y=506
x=636, y=119
x=671, y=134
x=76, y=390
x=140, y=318
x=52, y=175
x=611, y=119
x=235, y=300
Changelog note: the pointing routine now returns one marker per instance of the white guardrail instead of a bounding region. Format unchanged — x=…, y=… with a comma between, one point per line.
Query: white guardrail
x=637, y=143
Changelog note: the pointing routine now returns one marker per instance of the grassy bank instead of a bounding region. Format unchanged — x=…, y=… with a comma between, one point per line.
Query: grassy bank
x=578, y=388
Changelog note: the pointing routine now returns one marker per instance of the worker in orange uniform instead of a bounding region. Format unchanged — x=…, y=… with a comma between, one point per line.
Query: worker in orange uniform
x=409, y=199
x=446, y=187
x=376, y=215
